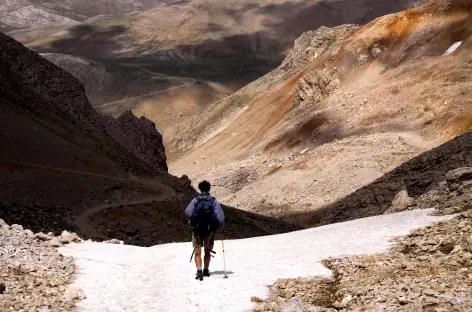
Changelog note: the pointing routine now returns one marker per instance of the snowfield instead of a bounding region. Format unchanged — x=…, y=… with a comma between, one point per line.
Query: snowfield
x=118, y=278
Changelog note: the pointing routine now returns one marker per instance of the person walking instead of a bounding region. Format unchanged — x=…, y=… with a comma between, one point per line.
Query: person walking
x=206, y=218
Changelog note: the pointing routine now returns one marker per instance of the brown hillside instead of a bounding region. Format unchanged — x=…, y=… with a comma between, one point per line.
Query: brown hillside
x=221, y=45
x=62, y=164
x=347, y=106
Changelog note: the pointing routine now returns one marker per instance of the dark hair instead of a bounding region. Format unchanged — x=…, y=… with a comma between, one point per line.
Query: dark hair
x=204, y=186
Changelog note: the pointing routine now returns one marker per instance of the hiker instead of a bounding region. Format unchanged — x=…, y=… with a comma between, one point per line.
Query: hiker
x=206, y=218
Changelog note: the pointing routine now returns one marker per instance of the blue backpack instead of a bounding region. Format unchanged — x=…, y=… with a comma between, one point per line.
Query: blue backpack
x=203, y=220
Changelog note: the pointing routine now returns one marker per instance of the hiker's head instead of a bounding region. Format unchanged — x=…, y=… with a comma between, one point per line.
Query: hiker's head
x=204, y=186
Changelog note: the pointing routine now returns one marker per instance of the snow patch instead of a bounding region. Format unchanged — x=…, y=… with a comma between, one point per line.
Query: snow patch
x=453, y=48
x=160, y=278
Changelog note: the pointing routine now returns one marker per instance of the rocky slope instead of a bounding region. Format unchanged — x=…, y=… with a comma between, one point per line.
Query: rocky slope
x=349, y=105
x=33, y=275
x=66, y=96
x=437, y=178
x=58, y=155
x=65, y=167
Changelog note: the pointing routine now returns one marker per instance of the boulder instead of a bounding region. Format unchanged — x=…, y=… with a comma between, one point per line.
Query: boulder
x=67, y=238
x=459, y=174
x=74, y=293
x=17, y=227
x=55, y=242
x=3, y=225
x=42, y=236
x=402, y=201
x=29, y=233
x=344, y=303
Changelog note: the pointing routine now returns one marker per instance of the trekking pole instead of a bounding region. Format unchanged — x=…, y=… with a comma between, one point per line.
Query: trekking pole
x=223, y=246
x=192, y=254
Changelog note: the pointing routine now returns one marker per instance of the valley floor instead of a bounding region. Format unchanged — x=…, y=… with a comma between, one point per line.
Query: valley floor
x=160, y=278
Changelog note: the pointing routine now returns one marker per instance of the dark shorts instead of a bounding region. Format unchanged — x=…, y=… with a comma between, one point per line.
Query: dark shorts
x=206, y=242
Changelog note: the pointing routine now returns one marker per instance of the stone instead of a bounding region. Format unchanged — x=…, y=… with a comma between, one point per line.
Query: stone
x=17, y=227
x=29, y=233
x=42, y=236
x=430, y=293
x=67, y=238
x=294, y=305
x=3, y=288
x=75, y=238
x=469, y=243
x=114, y=241
x=256, y=299
x=344, y=303
x=459, y=174
x=74, y=293
x=55, y=242
x=3, y=225
x=402, y=201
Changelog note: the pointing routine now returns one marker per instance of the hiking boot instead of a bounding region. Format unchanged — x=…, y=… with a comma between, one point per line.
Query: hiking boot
x=206, y=272
x=199, y=275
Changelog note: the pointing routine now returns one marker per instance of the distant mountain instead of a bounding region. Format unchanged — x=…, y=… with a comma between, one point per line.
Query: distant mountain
x=178, y=59
x=20, y=14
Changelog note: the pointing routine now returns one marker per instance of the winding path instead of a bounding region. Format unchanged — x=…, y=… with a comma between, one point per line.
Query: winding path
x=82, y=221
x=145, y=95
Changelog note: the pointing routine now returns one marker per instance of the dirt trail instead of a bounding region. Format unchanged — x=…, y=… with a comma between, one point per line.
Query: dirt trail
x=62, y=170
x=145, y=95
x=83, y=222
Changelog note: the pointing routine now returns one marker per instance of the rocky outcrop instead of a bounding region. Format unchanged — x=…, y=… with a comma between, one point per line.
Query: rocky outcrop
x=401, y=201
x=428, y=270
x=315, y=86
x=139, y=136
x=311, y=44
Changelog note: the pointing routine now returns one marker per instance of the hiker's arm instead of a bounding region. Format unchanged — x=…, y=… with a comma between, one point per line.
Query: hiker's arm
x=220, y=215
x=190, y=208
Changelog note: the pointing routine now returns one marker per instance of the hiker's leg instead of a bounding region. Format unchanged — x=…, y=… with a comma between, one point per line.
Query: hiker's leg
x=198, y=258
x=197, y=244
x=209, y=243
x=207, y=258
